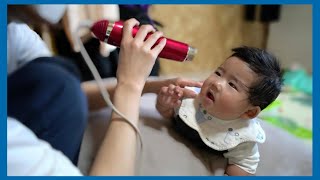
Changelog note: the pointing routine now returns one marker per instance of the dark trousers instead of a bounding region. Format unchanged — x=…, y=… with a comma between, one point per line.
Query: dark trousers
x=45, y=95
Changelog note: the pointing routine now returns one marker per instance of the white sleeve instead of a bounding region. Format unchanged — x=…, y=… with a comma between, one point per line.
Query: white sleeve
x=23, y=45
x=245, y=155
x=28, y=155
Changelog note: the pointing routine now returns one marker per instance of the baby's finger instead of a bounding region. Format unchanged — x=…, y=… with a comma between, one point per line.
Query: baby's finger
x=163, y=90
x=177, y=103
x=169, y=101
x=178, y=91
x=171, y=89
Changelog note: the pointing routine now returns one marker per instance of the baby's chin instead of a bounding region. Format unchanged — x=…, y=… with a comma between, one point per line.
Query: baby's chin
x=204, y=101
x=199, y=99
x=210, y=109
x=205, y=104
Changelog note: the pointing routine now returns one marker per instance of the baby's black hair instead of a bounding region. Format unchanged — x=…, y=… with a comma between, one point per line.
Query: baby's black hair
x=268, y=86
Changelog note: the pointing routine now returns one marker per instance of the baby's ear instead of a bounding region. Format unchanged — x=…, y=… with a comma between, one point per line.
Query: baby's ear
x=251, y=113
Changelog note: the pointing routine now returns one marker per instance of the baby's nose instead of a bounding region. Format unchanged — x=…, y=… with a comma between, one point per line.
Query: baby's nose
x=217, y=85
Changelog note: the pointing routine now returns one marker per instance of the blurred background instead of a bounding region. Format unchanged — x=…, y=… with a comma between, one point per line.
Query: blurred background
x=284, y=30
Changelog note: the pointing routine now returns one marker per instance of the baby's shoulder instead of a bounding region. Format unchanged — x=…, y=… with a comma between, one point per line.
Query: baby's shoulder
x=254, y=130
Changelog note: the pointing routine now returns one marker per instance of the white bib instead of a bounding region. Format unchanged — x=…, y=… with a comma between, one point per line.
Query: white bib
x=216, y=133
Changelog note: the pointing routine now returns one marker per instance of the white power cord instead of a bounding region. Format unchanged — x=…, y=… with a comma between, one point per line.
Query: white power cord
x=97, y=77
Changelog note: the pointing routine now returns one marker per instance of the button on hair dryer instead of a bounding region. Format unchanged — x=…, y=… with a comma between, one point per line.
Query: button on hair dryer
x=111, y=33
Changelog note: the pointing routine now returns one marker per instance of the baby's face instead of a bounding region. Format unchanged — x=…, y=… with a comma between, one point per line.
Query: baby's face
x=224, y=93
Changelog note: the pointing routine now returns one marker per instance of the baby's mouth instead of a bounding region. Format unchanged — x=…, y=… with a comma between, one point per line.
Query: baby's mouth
x=210, y=95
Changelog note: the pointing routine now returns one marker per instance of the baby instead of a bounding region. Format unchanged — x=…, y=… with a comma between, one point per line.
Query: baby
x=222, y=116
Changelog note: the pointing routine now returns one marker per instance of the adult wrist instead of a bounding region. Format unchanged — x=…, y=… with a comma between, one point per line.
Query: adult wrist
x=132, y=86
x=127, y=99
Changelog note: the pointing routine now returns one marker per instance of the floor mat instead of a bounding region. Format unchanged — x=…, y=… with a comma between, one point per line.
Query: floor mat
x=292, y=111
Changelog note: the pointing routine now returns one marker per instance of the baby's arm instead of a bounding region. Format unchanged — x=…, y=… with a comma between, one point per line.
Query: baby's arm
x=234, y=170
x=169, y=98
x=243, y=159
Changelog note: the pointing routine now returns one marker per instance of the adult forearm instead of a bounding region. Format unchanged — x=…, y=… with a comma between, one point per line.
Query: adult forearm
x=117, y=153
x=130, y=94
x=154, y=85
x=94, y=97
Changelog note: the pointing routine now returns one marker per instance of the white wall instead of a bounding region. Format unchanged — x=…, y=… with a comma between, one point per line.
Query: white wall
x=290, y=39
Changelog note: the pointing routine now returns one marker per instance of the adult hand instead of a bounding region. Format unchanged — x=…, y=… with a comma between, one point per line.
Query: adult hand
x=137, y=55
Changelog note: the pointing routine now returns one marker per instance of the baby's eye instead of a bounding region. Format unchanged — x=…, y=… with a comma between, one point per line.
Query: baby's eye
x=217, y=73
x=232, y=85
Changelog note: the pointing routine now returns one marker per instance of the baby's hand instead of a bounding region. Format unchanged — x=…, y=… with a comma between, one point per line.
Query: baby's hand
x=170, y=96
x=168, y=99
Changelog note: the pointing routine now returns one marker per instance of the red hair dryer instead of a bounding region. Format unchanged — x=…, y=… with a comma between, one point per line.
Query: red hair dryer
x=111, y=33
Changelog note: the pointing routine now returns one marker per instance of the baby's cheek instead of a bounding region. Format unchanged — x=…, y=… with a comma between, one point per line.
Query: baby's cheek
x=228, y=105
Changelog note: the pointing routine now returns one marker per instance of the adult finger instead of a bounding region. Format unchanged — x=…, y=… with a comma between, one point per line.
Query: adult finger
x=128, y=26
x=143, y=31
x=187, y=93
x=158, y=48
x=191, y=83
x=149, y=43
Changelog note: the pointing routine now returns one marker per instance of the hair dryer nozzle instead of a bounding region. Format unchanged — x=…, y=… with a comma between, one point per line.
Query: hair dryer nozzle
x=191, y=53
x=99, y=29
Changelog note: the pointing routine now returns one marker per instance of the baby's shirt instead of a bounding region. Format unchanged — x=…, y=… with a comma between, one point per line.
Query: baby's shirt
x=239, y=137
